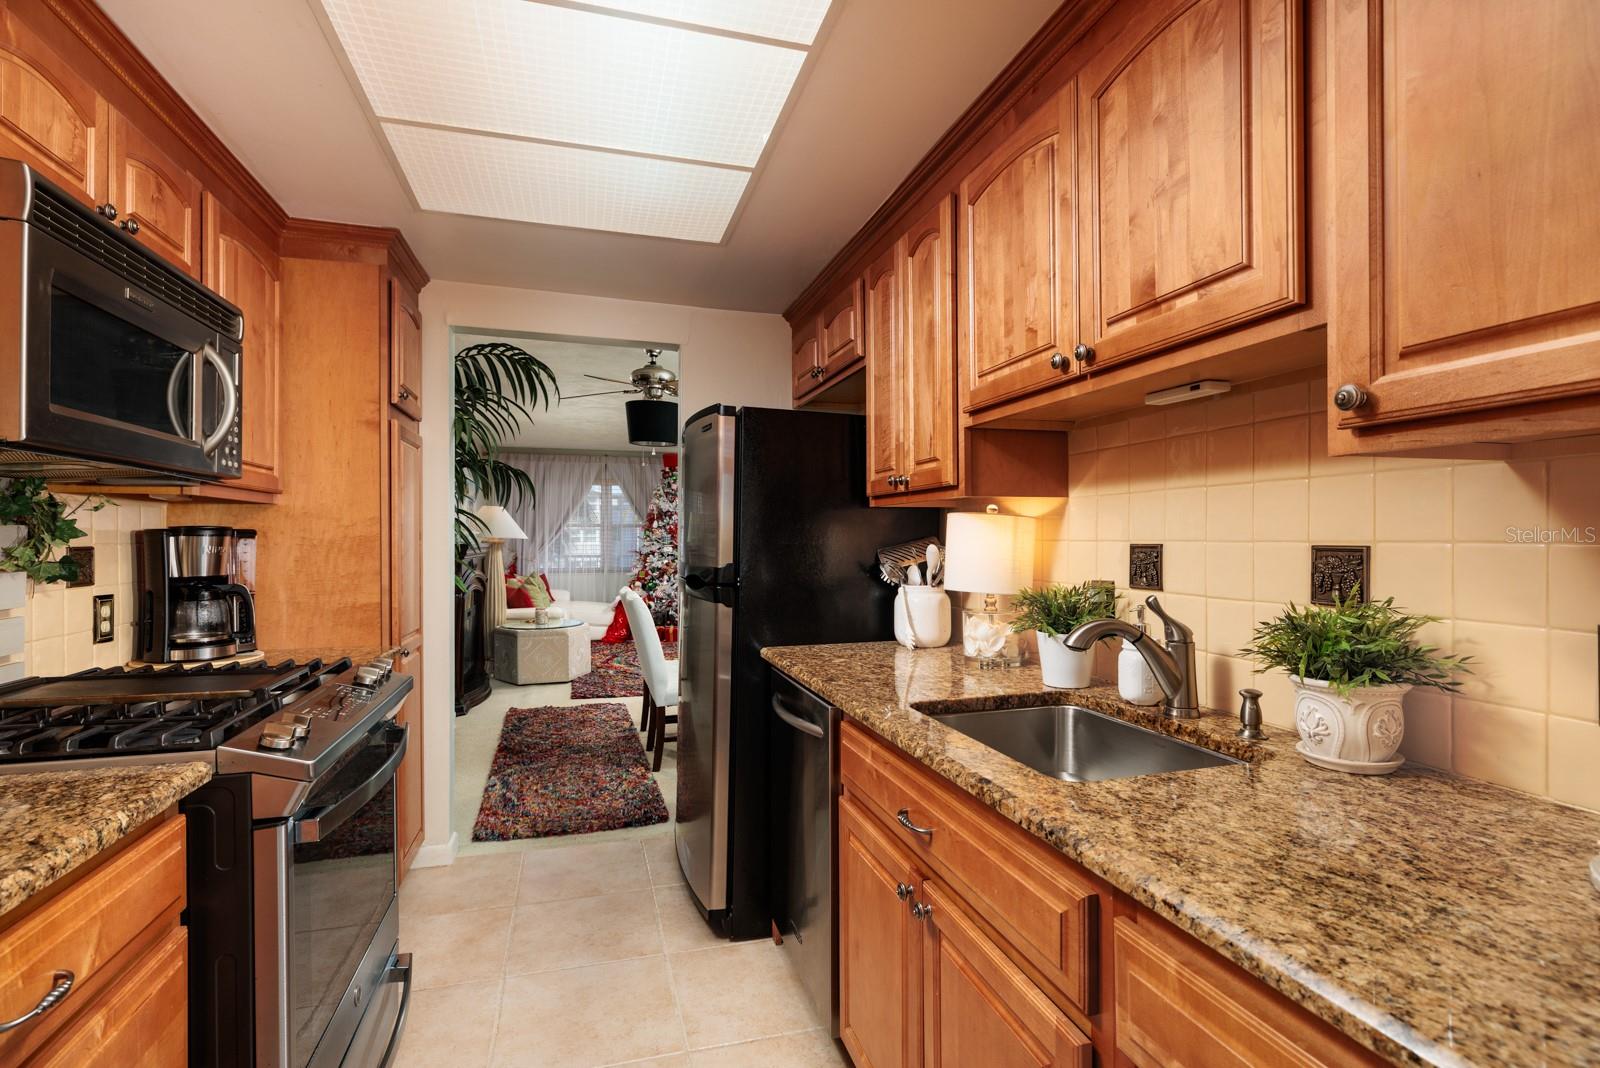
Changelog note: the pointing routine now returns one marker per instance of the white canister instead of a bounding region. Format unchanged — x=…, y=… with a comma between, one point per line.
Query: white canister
x=1135, y=681
x=1062, y=668
x=921, y=617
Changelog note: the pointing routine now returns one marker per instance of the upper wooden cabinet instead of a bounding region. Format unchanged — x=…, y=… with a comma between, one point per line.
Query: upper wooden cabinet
x=405, y=349
x=886, y=395
x=1190, y=181
x=1465, y=155
x=51, y=118
x=841, y=332
x=157, y=199
x=806, y=358
x=244, y=269
x=928, y=364
x=1018, y=286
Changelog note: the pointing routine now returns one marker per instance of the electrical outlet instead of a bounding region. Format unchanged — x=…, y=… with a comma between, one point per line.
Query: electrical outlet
x=105, y=618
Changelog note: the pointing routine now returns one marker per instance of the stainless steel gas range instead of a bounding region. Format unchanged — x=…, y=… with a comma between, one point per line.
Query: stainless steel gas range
x=292, y=916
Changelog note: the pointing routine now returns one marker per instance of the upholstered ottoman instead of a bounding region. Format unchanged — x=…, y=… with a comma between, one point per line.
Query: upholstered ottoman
x=526, y=654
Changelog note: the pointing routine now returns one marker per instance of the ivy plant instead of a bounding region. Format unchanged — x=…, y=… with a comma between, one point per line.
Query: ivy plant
x=48, y=526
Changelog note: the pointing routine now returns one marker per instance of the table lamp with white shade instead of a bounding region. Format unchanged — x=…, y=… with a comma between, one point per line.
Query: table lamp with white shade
x=991, y=554
x=499, y=529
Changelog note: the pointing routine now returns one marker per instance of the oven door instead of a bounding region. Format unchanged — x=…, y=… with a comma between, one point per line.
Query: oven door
x=116, y=374
x=342, y=929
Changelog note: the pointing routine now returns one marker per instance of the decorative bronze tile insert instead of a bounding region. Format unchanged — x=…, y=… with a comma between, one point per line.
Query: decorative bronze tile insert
x=84, y=555
x=1338, y=569
x=1144, y=567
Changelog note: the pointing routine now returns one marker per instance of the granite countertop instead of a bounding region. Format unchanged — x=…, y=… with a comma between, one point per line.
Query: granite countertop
x=52, y=822
x=1434, y=919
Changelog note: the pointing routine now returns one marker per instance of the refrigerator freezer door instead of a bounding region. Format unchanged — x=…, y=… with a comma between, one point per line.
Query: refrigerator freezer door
x=705, y=659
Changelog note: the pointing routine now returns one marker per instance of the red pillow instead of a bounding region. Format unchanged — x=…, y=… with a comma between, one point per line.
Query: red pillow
x=618, y=631
x=548, y=591
x=517, y=597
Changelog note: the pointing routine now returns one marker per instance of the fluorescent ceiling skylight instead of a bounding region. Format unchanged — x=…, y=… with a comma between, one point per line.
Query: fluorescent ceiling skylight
x=588, y=118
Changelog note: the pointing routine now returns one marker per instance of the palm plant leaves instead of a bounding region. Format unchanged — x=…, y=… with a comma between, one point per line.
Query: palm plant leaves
x=498, y=386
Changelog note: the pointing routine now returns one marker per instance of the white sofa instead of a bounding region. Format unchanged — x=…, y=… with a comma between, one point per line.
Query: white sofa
x=595, y=613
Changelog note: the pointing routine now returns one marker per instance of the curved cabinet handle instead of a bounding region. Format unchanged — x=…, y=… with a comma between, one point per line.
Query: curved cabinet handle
x=63, y=981
x=904, y=816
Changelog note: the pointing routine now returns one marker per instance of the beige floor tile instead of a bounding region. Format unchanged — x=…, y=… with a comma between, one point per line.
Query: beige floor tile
x=682, y=926
x=738, y=992
x=453, y=1026
x=586, y=930
x=584, y=1017
x=479, y=882
x=586, y=870
x=661, y=855
x=809, y=1049
x=457, y=947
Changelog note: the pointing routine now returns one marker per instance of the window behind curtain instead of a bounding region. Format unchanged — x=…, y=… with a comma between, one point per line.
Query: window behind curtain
x=601, y=536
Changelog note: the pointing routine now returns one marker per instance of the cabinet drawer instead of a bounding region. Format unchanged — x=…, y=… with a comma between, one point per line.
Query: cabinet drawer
x=1179, y=1003
x=84, y=929
x=144, y=1021
x=1041, y=909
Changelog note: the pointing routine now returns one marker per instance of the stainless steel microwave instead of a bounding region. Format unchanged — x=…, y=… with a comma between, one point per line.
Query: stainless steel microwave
x=115, y=366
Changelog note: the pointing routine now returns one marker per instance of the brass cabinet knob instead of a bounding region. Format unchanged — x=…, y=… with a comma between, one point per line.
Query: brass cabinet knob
x=1349, y=397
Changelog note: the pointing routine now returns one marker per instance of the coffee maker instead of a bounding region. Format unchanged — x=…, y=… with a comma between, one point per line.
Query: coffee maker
x=191, y=606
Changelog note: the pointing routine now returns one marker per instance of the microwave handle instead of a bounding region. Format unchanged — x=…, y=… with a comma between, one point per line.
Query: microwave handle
x=325, y=819
x=178, y=426
x=230, y=406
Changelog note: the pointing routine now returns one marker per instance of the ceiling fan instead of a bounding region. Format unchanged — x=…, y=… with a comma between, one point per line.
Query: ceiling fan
x=652, y=380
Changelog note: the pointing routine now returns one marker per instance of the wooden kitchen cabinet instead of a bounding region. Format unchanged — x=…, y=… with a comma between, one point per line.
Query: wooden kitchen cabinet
x=405, y=626
x=243, y=268
x=1018, y=270
x=841, y=332
x=405, y=349
x=1467, y=298
x=156, y=197
x=886, y=395
x=1190, y=174
x=806, y=355
x=880, y=944
x=51, y=117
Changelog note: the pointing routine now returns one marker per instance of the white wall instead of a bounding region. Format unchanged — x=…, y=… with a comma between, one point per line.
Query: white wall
x=727, y=357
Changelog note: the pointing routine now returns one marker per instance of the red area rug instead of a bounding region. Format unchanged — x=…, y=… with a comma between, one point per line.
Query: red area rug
x=614, y=670
x=567, y=770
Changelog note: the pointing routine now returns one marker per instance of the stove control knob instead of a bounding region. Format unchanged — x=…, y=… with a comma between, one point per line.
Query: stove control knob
x=369, y=676
x=277, y=736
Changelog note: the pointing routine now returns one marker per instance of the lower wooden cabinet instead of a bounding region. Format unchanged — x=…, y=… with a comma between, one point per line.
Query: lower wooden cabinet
x=115, y=927
x=879, y=946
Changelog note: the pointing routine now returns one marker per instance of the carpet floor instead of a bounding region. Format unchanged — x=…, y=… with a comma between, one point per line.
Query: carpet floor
x=567, y=770
x=614, y=671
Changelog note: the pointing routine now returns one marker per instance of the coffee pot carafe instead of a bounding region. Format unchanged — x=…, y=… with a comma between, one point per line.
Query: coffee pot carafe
x=191, y=607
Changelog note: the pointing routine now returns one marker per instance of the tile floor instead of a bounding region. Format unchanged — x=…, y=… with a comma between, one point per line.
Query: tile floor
x=586, y=951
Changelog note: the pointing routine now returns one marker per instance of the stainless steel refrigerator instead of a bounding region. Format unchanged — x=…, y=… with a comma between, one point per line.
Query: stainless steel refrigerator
x=779, y=547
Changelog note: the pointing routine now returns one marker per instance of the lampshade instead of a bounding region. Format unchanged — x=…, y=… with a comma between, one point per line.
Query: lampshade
x=652, y=422
x=986, y=552
x=501, y=525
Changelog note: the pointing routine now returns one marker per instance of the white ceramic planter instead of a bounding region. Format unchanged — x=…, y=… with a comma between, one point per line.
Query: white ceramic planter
x=1358, y=732
x=1062, y=668
x=922, y=617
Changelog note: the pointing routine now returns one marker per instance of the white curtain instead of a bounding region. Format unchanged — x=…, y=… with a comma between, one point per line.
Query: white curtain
x=559, y=483
x=638, y=476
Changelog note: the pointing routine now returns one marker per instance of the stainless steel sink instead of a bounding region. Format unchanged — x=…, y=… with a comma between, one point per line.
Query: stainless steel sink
x=1078, y=744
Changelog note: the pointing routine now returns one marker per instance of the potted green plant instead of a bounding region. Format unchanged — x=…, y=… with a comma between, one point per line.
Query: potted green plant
x=47, y=528
x=1351, y=664
x=1054, y=611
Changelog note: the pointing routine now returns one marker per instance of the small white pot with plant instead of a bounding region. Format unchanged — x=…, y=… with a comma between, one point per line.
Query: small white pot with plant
x=1052, y=612
x=1351, y=664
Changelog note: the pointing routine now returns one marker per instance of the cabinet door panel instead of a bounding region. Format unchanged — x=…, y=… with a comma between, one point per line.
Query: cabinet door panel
x=806, y=359
x=1191, y=175
x=50, y=118
x=405, y=350
x=841, y=331
x=1017, y=257
x=886, y=387
x=408, y=777
x=1465, y=233
x=244, y=270
x=405, y=530
x=143, y=1020
x=154, y=191
x=979, y=1009
x=929, y=380
x=879, y=961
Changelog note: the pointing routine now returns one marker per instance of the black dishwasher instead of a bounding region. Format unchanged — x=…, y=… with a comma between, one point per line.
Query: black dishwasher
x=806, y=782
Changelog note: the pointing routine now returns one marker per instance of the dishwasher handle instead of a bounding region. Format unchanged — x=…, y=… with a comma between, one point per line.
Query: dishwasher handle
x=801, y=725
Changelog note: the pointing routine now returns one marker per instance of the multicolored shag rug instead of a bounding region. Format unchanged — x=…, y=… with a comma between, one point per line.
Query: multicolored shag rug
x=614, y=670
x=567, y=770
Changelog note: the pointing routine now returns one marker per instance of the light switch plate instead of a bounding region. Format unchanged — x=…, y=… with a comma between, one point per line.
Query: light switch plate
x=105, y=618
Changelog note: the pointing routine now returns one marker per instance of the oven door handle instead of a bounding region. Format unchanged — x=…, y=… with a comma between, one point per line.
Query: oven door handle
x=325, y=819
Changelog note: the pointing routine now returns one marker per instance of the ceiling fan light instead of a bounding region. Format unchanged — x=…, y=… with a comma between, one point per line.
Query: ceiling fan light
x=652, y=422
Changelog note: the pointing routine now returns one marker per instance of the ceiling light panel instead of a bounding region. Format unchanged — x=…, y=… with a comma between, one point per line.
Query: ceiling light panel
x=796, y=21
x=475, y=174
x=569, y=75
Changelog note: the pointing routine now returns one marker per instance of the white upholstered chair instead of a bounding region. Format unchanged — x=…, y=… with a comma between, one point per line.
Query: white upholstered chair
x=660, y=676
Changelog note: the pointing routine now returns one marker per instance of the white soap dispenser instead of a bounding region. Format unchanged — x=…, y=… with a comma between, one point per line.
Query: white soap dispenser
x=1135, y=681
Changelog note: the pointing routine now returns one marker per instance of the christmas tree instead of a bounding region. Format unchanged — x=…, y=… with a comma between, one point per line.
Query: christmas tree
x=656, y=577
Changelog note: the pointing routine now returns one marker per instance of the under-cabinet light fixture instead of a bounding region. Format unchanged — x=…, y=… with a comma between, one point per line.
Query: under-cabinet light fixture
x=1208, y=387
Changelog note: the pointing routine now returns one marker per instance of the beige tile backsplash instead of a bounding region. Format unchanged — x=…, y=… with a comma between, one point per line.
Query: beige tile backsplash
x=58, y=620
x=1239, y=487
